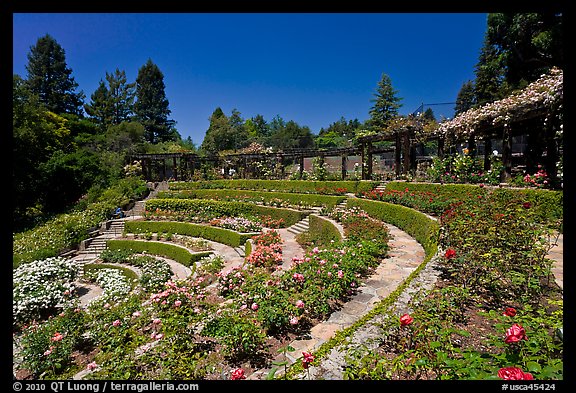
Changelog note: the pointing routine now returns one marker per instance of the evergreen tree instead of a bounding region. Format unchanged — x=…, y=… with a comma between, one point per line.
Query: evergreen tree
x=50, y=78
x=466, y=98
x=489, y=71
x=121, y=96
x=217, y=135
x=238, y=134
x=99, y=107
x=386, y=104
x=530, y=44
x=152, y=106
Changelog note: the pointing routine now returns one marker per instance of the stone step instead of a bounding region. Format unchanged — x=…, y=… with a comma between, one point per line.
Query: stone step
x=240, y=250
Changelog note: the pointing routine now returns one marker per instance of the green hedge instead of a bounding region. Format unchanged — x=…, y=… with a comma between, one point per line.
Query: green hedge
x=298, y=186
x=229, y=209
x=322, y=230
x=416, y=224
x=219, y=235
x=292, y=198
x=177, y=253
x=548, y=204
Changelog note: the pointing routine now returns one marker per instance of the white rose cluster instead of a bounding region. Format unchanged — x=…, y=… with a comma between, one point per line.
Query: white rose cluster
x=542, y=94
x=42, y=285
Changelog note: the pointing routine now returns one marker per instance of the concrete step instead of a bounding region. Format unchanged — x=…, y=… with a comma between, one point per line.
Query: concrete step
x=240, y=250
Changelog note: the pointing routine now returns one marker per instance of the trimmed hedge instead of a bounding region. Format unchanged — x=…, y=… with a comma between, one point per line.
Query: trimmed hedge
x=229, y=209
x=416, y=224
x=220, y=235
x=322, y=230
x=548, y=204
x=298, y=186
x=292, y=198
x=177, y=253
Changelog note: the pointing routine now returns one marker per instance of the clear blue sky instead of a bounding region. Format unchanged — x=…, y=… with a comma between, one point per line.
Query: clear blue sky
x=311, y=68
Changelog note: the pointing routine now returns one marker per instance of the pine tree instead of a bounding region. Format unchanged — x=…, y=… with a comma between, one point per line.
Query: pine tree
x=489, y=83
x=98, y=109
x=121, y=96
x=466, y=98
x=152, y=106
x=50, y=78
x=386, y=104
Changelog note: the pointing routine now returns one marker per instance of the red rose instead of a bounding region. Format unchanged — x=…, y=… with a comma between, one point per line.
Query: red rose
x=450, y=253
x=406, y=320
x=527, y=205
x=510, y=312
x=513, y=373
x=308, y=358
x=515, y=333
x=238, y=374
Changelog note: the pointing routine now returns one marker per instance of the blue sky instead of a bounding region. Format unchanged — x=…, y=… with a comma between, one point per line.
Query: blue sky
x=311, y=68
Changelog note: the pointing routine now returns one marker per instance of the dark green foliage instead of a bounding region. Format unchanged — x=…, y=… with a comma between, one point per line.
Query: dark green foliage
x=466, y=98
x=152, y=106
x=50, y=78
x=386, y=104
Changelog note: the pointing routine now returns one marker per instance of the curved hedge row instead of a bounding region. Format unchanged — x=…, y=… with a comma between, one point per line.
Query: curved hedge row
x=302, y=186
x=230, y=209
x=416, y=224
x=322, y=230
x=177, y=253
x=547, y=203
x=220, y=235
x=292, y=198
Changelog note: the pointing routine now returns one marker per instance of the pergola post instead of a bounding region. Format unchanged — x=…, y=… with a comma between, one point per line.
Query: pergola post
x=487, y=153
x=363, y=159
x=344, y=168
x=441, y=147
x=506, y=154
x=398, y=154
x=174, y=165
x=301, y=170
x=406, y=152
x=369, y=166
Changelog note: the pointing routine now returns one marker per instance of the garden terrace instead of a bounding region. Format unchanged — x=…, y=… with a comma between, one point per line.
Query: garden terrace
x=292, y=186
x=546, y=205
x=277, y=199
x=219, y=235
x=172, y=251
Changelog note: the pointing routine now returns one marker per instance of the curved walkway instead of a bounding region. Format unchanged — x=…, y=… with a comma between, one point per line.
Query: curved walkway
x=404, y=256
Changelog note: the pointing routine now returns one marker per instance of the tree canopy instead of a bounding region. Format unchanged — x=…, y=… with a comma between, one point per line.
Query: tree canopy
x=50, y=78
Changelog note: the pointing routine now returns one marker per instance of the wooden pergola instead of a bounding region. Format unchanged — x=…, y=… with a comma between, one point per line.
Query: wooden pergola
x=535, y=111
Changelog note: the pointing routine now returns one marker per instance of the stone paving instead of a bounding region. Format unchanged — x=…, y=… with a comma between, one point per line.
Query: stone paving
x=404, y=256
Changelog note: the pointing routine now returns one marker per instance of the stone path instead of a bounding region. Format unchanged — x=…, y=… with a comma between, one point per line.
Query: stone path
x=556, y=253
x=404, y=256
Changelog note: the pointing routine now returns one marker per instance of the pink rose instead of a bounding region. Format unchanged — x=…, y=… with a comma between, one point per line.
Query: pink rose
x=300, y=304
x=513, y=373
x=514, y=334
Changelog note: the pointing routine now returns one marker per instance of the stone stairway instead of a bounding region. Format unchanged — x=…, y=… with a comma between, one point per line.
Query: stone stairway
x=96, y=245
x=241, y=251
x=300, y=226
x=380, y=187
